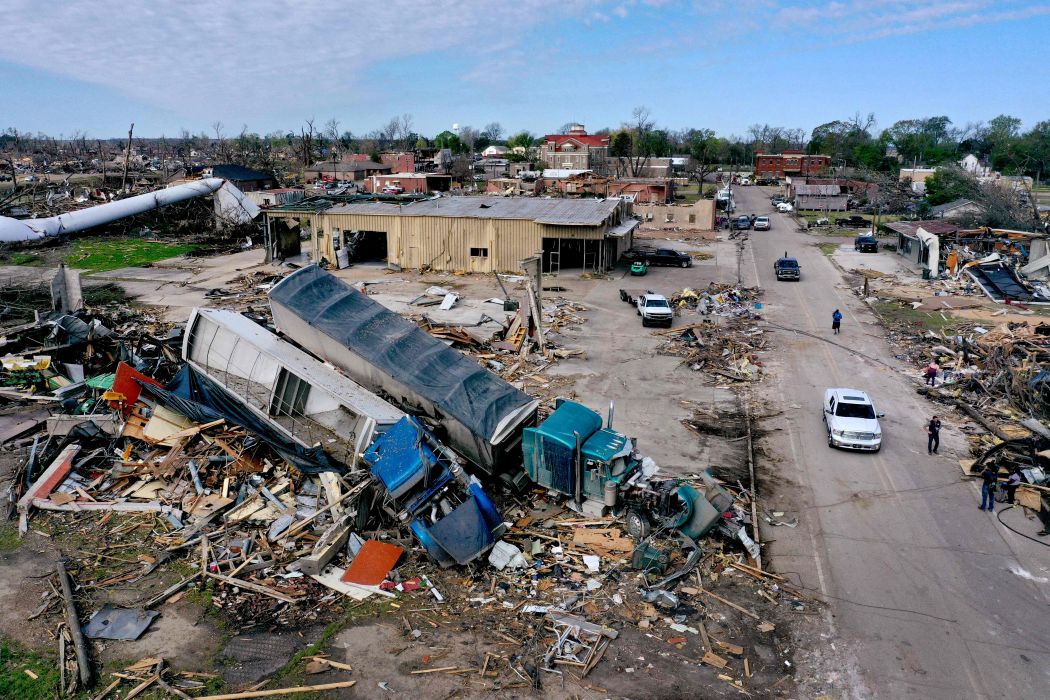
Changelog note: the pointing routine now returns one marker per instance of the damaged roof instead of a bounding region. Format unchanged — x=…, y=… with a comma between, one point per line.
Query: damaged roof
x=934, y=226
x=565, y=212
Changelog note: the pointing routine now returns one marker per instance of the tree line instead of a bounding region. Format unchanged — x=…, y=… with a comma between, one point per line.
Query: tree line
x=852, y=142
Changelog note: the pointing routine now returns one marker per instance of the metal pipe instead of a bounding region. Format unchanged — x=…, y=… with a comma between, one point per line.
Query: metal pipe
x=577, y=471
x=15, y=230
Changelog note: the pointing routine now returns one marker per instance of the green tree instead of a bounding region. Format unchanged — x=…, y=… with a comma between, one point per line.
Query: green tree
x=1004, y=133
x=949, y=184
x=707, y=151
x=446, y=139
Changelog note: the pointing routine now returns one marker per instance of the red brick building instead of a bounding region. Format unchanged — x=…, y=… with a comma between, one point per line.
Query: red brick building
x=790, y=162
x=411, y=183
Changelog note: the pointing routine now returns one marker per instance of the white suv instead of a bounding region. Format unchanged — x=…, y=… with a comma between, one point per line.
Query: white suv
x=654, y=310
x=851, y=420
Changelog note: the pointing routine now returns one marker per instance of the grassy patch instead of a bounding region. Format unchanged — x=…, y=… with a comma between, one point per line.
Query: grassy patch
x=828, y=248
x=892, y=312
x=103, y=294
x=16, y=683
x=102, y=254
x=26, y=259
x=9, y=539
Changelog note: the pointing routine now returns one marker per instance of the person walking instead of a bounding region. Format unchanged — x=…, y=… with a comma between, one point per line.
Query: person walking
x=933, y=431
x=1012, y=483
x=836, y=321
x=931, y=373
x=989, y=476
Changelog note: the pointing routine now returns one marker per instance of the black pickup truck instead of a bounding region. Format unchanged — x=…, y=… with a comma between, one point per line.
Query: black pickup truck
x=786, y=268
x=659, y=256
x=852, y=221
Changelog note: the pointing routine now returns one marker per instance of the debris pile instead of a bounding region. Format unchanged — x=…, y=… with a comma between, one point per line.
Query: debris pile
x=221, y=458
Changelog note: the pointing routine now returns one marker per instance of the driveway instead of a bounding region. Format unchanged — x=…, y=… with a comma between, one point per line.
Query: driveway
x=929, y=596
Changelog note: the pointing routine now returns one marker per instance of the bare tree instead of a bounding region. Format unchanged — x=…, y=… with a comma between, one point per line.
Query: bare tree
x=220, y=140
x=493, y=131
x=468, y=136
x=306, y=143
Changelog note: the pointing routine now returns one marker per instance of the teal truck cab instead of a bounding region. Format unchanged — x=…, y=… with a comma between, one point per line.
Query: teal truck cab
x=601, y=471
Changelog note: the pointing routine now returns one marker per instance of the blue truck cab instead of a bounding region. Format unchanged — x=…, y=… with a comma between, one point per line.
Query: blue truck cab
x=571, y=435
x=446, y=509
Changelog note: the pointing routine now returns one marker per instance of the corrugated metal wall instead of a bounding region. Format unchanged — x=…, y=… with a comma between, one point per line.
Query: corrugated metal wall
x=445, y=243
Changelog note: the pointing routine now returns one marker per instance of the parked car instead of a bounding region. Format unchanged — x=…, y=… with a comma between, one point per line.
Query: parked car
x=654, y=310
x=767, y=181
x=639, y=268
x=851, y=420
x=659, y=256
x=742, y=223
x=866, y=243
x=762, y=223
x=854, y=221
x=393, y=189
x=777, y=199
x=787, y=268
x=784, y=207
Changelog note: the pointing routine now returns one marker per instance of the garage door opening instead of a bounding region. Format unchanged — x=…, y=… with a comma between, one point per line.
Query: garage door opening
x=571, y=254
x=362, y=247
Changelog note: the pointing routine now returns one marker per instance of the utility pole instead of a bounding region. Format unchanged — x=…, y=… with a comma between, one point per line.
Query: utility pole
x=127, y=157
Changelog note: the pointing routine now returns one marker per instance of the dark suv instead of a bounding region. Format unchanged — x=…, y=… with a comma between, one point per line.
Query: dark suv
x=866, y=243
x=787, y=268
x=852, y=221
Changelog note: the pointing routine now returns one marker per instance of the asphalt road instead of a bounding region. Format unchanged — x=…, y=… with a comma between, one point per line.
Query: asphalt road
x=929, y=596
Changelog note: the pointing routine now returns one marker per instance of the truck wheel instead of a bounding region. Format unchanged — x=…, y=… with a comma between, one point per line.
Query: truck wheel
x=637, y=524
x=831, y=441
x=685, y=264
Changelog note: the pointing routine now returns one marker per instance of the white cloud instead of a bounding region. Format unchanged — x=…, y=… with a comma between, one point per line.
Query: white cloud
x=243, y=57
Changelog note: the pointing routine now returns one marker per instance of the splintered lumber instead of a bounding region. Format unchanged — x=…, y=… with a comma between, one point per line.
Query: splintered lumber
x=87, y=676
x=713, y=659
x=730, y=603
x=279, y=691
x=248, y=585
x=434, y=670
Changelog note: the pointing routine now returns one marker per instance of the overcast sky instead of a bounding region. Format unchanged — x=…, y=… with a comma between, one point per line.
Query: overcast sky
x=97, y=65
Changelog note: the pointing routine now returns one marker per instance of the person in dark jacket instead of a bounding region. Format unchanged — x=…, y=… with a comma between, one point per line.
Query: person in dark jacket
x=989, y=477
x=933, y=431
x=836, y=321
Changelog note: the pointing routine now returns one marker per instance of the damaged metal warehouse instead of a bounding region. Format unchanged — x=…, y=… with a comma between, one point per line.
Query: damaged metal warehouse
x=465, y=234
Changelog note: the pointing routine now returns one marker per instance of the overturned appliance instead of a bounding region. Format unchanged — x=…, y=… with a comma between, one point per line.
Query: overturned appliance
x=446, y=509
x=600, y=469
x=307, y=400
x=481, y=414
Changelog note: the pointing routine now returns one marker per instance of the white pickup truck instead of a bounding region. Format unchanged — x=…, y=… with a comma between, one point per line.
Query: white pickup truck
x=654, y=310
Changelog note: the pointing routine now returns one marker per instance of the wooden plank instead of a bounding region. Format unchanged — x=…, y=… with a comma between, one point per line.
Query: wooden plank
x=249, y=586
x=730, y=603
x=713, y=659
x=47, y=482
x=279, y=691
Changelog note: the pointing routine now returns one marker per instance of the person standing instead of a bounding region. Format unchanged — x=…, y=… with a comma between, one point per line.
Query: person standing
x=933, y=431
x=931, y=373
x=1012, y=483
x=989, y=476
x=836, y=321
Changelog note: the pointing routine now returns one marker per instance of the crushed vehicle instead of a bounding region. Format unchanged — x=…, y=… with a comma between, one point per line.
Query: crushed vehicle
x=851, y=420
x=600, y=470
x=427, y=489
x=787, y=268
x=480, y=414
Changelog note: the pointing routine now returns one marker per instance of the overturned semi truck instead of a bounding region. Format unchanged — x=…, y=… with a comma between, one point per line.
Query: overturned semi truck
x=475, y=412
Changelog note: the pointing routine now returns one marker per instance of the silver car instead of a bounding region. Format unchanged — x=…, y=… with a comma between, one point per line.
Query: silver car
x=762, y=223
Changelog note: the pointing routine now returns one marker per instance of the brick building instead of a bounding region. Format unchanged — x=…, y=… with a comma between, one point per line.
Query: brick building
x=576, y=150
x=790, y=162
